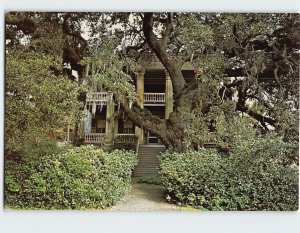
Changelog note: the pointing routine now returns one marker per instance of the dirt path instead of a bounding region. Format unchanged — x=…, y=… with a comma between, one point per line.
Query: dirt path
x=144, y=197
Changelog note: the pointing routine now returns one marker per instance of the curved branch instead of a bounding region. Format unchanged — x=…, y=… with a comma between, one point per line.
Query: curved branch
x=143, y=119
x=167, y=32
x=136, y=47
x=168, y=131
x=173, y=67
x=262, y=119
x=19, y=19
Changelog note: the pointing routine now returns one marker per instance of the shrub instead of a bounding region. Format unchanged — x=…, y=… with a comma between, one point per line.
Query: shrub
x=256, y=176
x=125, y=146
x=79, y=178
x=19, y=166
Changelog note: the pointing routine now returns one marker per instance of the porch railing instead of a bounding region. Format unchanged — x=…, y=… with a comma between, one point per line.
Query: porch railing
x=154, y=97
x=96, y=96
x=125, y=138
x=95, y=138
x=99, y=138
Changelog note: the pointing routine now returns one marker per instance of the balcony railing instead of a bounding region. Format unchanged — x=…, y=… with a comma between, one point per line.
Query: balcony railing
x=101, y=97
x=98, y=97
x=95, y=138
x=99, y=138
x=154, y=97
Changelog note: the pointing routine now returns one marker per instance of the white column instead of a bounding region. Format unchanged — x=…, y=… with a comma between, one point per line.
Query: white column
x=139, y=132
x=87, y=122
x=109, y=127
x=168, y=96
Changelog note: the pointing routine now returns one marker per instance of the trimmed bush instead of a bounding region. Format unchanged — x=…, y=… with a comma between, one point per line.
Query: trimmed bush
x=256, y=176
x=125, y=146
x=79, y=178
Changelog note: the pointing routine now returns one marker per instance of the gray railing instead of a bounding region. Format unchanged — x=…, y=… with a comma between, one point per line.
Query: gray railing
x=98, y=97
x=95, y=138
x=154, y=97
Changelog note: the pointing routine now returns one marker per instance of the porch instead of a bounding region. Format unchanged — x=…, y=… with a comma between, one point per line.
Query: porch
x=99, y=138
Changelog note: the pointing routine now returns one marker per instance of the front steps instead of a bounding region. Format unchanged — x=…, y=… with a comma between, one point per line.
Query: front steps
x=148, y=162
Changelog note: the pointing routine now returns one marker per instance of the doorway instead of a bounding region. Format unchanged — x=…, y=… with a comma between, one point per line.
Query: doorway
x=152, y=139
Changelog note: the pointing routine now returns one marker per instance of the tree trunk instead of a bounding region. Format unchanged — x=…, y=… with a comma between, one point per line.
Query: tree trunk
x=169, y=131
x=171, y=65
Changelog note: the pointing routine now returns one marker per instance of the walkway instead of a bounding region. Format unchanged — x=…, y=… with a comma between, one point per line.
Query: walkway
x=144, y=197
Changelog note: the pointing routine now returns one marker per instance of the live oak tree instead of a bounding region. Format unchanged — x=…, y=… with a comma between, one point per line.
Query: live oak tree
x=39, y=93
x=260, y=53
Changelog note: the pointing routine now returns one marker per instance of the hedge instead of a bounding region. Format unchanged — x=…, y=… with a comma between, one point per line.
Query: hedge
x=255, y=176
x=79, y=178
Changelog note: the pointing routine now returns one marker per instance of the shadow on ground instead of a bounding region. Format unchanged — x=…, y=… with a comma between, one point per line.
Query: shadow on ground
x=144, y=197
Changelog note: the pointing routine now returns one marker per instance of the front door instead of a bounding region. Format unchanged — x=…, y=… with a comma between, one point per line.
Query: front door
x=151, y=139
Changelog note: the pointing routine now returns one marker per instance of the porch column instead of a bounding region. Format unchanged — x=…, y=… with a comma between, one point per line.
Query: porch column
x=87, y=122
x=79, y=134
x=139, y=132
x=109, y=127
x=168, y=96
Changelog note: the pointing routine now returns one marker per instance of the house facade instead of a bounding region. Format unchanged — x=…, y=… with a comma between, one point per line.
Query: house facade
x=154, y=92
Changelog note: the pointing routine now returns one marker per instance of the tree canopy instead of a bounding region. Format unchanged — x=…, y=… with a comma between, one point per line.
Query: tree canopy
x=258, y=52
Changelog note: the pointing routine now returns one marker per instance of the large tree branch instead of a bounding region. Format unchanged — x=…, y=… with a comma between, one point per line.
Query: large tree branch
x=262, y=119
x=76, y=35
x=190, y=57
x=136, y=47
x=169, y=131
x=241, y=106
x=167, y=32
x=144, y=119
x=172, y=66
x=139, y=116
x=19, y=19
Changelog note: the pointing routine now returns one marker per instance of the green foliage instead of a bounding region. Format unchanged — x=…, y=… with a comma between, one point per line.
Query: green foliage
x=108, y=69
x=198, y=112
x=288, y=121
x=233, y=130
x=197, y=128
x=11, y=183
x=48, y=39
x=75, y=178
x=195, y=35
x=36, y=99
x=125, y=146
x=256, y=176
x=213, y=65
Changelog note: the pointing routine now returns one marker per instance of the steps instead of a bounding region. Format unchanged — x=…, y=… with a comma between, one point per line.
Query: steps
x=148, y=162
x=210, y=145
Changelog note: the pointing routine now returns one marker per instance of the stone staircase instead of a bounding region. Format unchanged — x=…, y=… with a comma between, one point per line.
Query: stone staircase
x=210, y=145
x=148, y=162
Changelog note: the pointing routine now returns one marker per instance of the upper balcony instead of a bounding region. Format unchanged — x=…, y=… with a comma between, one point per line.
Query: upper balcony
x=99, y=97
x=150, y=99
x=155, y=99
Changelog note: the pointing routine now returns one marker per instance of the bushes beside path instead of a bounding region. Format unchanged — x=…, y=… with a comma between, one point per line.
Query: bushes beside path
x=83, y=177
x=256, y=175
